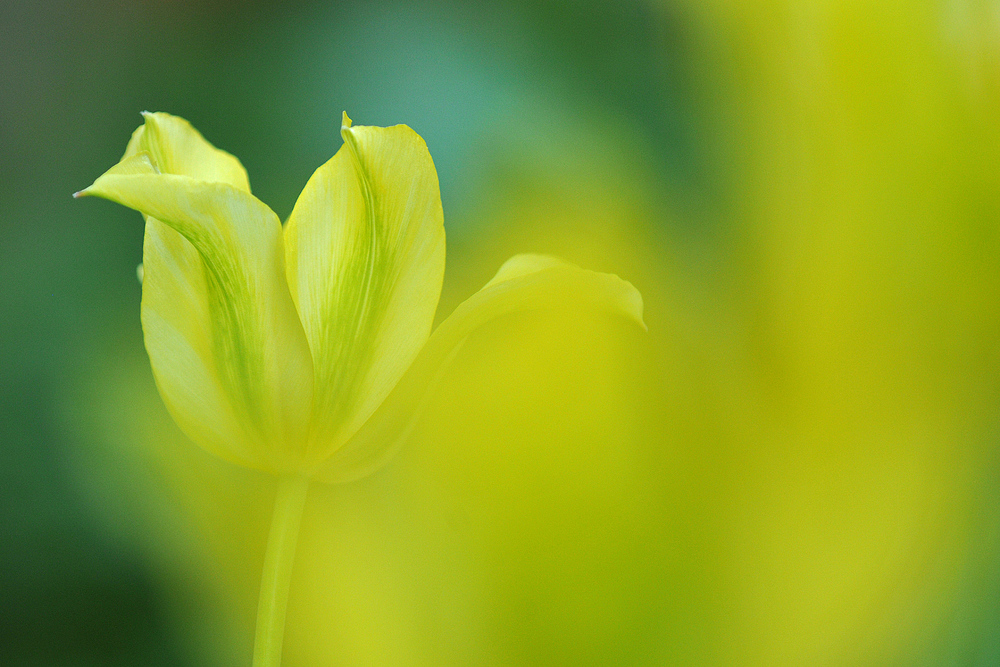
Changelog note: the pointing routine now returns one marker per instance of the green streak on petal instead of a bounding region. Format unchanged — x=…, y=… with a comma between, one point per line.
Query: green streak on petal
x=240, y=346
x=365, y=259
x=523, y=283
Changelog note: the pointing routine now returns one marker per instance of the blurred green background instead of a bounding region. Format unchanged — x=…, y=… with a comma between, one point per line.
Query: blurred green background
x=797, y=464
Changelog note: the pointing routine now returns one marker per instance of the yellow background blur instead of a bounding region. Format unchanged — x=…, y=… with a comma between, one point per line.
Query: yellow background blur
x=796, y=465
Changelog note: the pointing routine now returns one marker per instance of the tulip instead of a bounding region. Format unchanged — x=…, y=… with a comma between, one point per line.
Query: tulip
x=305, y=349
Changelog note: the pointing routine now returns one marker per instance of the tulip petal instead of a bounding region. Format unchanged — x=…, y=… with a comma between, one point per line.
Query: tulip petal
x=524, y=283
x=229, y=355
x=175, y=147
x=365, y=260
x=176, y=318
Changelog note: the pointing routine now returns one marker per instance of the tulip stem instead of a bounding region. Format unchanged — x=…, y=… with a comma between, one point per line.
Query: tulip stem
x=277, y=574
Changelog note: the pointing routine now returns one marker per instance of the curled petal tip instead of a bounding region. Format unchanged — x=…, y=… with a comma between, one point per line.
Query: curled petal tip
x=345, y=123
x=637, y=306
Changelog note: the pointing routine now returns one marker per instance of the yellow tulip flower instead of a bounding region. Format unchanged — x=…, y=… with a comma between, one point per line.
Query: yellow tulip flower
x=305, y=350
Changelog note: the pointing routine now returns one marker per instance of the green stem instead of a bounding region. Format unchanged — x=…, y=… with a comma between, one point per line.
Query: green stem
x=277, y=574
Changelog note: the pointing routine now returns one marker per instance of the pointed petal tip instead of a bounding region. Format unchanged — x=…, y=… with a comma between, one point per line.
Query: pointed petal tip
x=346, y=122
x=149, y=117
x=158, y=119
x=81, y=193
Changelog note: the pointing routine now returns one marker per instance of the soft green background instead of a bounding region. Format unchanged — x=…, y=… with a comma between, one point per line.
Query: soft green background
x=797, y=464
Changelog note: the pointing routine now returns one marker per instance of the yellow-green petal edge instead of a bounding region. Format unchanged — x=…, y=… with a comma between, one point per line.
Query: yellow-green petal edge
x=525, y=282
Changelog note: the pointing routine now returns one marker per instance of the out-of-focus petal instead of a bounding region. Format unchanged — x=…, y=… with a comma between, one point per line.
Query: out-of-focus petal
x=524, y=283
x=365, y=259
